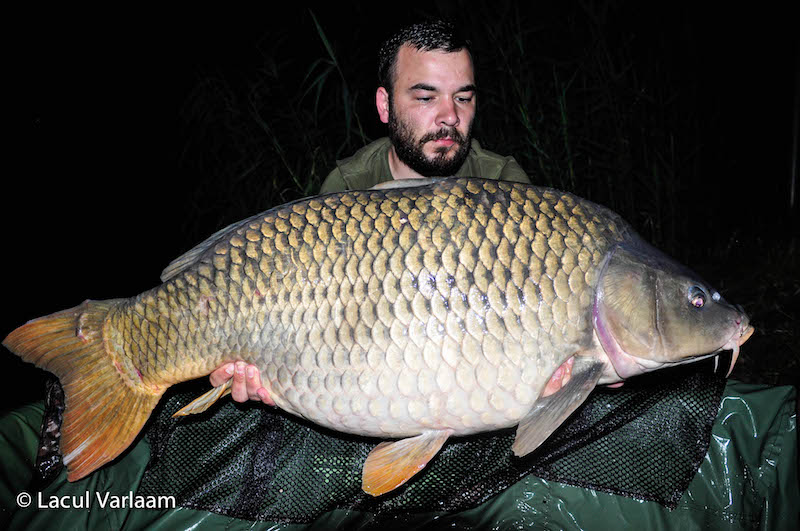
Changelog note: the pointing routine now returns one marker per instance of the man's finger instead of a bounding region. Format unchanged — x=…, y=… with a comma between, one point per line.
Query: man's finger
x=263, y=395
x=253, y=379
x=254, y=387
x=239, y=389
x=221, y=375
x=246, y=382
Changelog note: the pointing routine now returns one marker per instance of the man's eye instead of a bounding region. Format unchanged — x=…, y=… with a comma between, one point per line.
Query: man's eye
x=424, y=99
x=464, y=99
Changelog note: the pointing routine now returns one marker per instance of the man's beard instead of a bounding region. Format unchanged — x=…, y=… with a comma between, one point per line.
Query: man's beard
x=410, y=151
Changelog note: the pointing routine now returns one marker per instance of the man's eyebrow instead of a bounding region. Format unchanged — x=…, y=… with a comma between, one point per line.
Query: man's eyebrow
x=423, y=86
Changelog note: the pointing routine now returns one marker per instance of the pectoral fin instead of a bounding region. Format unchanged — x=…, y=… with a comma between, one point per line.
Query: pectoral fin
x=206, y=400
x=550, y=412
x=390, y=464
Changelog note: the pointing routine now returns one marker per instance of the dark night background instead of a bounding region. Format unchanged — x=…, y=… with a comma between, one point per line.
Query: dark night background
x=139, y=134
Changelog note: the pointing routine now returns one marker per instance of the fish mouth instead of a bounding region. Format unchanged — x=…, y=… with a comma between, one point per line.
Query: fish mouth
x=740, y=335
x=737, y=339
x=626, y=365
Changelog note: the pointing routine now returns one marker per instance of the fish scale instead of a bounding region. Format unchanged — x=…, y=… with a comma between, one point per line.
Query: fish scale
x=437, y=262
x=440, y=308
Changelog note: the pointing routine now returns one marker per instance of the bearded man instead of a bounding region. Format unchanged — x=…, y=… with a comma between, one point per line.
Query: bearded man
x=427, y=96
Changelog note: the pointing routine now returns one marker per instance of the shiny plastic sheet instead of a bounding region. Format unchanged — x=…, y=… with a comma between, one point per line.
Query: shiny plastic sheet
x=748, y=479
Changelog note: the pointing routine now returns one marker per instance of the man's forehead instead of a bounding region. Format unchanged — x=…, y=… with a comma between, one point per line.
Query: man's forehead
x=433, y=67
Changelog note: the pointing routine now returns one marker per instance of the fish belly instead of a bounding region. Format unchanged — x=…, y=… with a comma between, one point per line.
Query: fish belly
x=399, y=394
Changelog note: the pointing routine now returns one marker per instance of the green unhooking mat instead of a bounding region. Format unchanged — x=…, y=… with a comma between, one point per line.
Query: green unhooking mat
x=747, y=478
x=645, y=440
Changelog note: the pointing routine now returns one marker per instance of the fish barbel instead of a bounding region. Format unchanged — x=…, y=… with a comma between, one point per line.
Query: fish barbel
x=443, y=308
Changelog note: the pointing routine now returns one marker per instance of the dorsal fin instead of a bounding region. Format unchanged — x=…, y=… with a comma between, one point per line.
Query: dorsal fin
x=188, y=258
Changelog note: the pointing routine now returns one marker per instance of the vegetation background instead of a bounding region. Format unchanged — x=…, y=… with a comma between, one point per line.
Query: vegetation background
x=141, y=134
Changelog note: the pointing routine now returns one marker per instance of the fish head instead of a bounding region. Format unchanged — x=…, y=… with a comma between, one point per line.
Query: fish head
x=650, y=312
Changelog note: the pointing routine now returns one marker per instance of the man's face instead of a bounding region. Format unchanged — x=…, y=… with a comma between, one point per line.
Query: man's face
x=431, y=110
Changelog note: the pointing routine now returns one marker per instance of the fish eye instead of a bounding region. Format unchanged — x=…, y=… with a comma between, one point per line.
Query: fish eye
x=697, y=297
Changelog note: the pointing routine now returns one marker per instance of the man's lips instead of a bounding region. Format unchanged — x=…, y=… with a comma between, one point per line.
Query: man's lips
x=443, y=143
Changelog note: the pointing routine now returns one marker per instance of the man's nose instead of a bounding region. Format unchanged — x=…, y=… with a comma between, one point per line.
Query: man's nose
x=448, y=113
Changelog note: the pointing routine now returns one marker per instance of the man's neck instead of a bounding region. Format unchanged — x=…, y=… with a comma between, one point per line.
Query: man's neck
x=399, y=169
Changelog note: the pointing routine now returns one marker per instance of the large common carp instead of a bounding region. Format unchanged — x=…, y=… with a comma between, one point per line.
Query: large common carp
x=415, y=313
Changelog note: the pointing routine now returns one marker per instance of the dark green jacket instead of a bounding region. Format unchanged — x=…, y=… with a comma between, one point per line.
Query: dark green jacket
x=370, y=166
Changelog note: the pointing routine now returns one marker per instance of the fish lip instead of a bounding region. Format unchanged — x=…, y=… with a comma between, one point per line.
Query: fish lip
x=741, y=333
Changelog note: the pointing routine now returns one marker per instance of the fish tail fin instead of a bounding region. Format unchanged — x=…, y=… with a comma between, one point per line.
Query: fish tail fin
x=104, y=408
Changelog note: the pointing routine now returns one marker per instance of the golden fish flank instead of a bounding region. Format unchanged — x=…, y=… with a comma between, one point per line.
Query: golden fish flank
x=416, y=313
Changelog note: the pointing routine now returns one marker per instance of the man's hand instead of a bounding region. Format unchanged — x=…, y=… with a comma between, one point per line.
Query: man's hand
x=246, y=382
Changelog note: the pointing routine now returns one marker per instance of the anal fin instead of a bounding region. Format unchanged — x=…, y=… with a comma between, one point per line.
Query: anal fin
x=550, y=412
x=206, y=400
x=390, y=464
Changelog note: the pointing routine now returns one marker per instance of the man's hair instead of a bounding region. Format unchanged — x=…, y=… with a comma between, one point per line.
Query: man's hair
x=423, y=36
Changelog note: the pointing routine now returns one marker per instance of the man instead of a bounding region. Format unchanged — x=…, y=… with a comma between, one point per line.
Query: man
x=427, y=97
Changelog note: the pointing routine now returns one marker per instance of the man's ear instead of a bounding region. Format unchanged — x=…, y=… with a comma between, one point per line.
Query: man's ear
x=382, y=103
